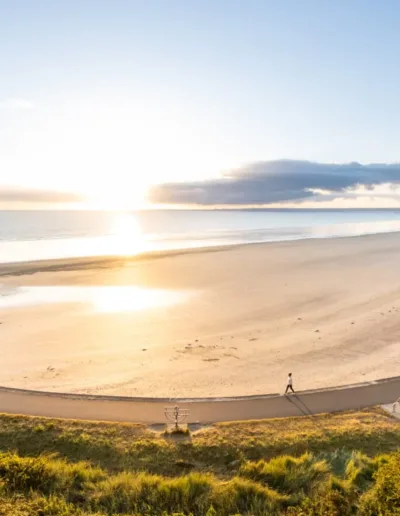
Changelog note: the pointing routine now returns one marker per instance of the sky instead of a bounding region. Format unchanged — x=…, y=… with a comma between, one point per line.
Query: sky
x=121, y=103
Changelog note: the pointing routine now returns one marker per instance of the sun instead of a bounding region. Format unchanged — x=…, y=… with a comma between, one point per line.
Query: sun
x=132, y=195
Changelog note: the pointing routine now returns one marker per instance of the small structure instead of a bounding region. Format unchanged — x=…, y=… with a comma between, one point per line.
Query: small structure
x=396, y=404
x=176, y=415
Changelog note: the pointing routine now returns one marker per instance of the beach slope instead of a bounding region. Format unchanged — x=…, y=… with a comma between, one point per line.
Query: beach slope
x=326, y=310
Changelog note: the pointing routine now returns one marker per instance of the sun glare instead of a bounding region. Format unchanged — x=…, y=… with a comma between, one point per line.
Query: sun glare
x=127, y=299
x=132, y=197
x=126, y=235
x=101, y=299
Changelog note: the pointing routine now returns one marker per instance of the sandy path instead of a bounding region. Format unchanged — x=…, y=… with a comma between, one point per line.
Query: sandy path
x=327, y=310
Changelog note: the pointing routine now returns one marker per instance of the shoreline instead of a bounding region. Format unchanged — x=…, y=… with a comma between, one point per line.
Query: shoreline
x=106, y=261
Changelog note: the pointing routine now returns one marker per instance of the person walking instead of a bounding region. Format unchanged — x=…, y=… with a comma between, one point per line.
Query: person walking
x=289, y=383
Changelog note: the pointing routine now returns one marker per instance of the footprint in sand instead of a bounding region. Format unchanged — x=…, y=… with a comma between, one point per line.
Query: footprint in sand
x=49, y=373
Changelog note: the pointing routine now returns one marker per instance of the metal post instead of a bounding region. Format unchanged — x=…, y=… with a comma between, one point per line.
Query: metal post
x=176, y=415
x=176, y=411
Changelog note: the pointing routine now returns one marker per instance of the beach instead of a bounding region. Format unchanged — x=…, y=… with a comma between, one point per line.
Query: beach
x=326, y=310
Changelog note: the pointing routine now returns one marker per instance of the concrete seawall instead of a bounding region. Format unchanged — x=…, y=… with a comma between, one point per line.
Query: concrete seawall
x=204, y=410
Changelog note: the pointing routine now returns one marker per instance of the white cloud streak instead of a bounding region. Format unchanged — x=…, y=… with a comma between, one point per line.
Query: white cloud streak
x=15, y=194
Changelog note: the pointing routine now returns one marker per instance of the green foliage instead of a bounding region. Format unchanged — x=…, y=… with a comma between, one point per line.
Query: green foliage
x=45, y=474
x=360, y=470
x=143, y=493
x=243, y=496
x=383, y=498
x=288, y=474
x=220, y=449
x=340, y=465
x=304, y=485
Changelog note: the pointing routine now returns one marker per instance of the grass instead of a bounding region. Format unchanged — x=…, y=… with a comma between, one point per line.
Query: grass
x=286, y=473
x=219, y=449
x=328, y=464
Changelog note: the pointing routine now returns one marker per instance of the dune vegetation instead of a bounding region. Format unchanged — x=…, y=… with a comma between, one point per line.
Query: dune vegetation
x=334, y=464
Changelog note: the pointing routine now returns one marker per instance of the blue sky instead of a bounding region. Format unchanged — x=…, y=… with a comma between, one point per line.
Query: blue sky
x=104, y=97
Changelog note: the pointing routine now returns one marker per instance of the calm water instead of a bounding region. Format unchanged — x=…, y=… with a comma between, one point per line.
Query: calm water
x=99, y=299
x=35, y=235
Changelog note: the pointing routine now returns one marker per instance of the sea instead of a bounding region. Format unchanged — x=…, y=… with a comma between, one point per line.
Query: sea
x=39, y=235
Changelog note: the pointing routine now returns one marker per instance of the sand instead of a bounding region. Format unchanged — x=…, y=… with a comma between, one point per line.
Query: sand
x=326, y=310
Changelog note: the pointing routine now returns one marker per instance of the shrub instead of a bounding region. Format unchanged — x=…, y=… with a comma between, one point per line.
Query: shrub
x=288, y=474
x=45, y=474
x=129, y=492
x=384, y=497
x=360, y=470
x=243, y=496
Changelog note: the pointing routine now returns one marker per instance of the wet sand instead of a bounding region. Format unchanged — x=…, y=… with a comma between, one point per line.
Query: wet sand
x=327, y=310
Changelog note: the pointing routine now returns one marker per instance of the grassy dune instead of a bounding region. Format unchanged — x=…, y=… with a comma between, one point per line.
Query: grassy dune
x=329, y=464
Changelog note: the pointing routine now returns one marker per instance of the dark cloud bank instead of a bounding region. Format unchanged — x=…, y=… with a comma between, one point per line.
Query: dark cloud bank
x=36, y=196
x=276, y=181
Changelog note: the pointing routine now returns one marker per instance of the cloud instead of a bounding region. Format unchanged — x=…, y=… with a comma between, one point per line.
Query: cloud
x=16, y=104
x=22, y=195
x=281, y=181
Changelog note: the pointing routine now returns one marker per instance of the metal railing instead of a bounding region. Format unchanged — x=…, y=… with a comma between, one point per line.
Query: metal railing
x=176, y=415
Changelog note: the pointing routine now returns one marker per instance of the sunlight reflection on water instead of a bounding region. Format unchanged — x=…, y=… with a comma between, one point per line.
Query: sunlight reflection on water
x=102, y=299
x=30, y=236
